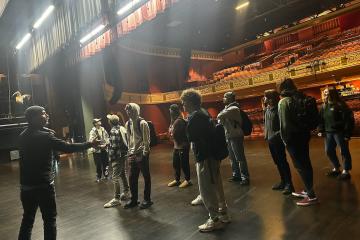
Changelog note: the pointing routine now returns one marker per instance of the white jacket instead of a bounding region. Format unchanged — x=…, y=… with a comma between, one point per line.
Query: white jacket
x=230, y=118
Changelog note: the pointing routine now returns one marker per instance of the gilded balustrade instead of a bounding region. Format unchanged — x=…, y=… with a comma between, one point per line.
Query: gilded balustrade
x=298, y=71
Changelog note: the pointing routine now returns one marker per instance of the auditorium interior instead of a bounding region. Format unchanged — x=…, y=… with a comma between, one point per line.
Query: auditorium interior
x=84, y=59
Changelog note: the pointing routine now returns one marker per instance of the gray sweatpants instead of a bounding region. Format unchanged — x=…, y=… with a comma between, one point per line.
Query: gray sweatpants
x=211, y=187
x=119, y=172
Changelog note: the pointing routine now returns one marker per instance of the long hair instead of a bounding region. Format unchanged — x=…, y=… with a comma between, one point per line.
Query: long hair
x=287, y=85
x=334, y=96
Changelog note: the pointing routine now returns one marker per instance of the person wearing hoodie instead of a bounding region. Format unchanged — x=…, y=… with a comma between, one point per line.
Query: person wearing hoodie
x=100, y=153
x=337, y=124
x=138, y=138
x=296, y=141
x=276, y=145
x=118, y=155
x=37, y=188
x=200, y=131
x=230, y=118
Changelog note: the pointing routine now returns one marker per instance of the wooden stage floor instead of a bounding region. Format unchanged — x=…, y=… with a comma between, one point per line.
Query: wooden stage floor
x=257, y=211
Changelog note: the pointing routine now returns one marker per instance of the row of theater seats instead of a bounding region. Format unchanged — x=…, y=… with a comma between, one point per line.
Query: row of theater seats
x=293, y=53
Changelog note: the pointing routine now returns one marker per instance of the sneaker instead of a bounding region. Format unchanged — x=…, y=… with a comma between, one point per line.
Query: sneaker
x=125, y=195
x=131, y=204
x=288, y=189
x=112, y=203
x=146, y=204
x=301, y=194
x=173, y=183
x=245, y=182
x=278, y=186
x=197, y=201
x=211, y=225
x=225, y=218
x=333, y=173
x=307, y=201
x=97, y=180
x=344, y=176
x=185, y=184
x=234, y=179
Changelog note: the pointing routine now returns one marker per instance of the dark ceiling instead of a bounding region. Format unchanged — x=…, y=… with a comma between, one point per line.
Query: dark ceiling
x=211, y=25
x=215, y=25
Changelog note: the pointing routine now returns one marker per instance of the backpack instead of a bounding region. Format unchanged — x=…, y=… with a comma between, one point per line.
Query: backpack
x=306, y=113
x=247, y=125
x=220, y=145
x=153, y=138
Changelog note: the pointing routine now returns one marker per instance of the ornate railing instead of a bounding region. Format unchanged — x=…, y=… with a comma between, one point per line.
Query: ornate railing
x=299, y=71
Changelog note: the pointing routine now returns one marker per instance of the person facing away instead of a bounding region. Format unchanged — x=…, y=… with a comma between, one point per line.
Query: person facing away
x=276, y=145
x=177, y=132
x=118, y=155
x=230, y=118
x=100, y=153
x=337, y=124
x=138, y=138
x=200, y=130
x=36, y=146
x=296, y=141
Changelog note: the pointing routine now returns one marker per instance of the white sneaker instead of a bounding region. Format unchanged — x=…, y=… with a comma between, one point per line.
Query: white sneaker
x=211, y=225
x=197, y=201
x=225, y=218
x=125, y=195
x=112, y=203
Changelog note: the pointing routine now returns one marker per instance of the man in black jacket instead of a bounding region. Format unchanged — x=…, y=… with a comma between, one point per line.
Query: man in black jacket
x=200, y=131
x=36, y=146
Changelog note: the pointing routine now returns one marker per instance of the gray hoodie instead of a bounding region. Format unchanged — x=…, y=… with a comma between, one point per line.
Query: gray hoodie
x=138, y=134
x=230, y=118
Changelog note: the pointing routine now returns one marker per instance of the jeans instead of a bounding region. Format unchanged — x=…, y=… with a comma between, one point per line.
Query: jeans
x=237, y=157
x=337, y=139
x=211, y=187
x=102, y=164
x=119, y=172
x=299, y=152
x=32, y=199
x=139, y=163
x=278, y=154
x=181, y=161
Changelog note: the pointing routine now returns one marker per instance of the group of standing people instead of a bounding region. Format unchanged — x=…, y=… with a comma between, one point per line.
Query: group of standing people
x=130, y=144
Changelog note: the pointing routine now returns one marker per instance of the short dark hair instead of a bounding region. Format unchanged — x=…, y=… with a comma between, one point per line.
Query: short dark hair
x=273, y=95
x=230, y=95
x=174, y=108
x=32, y=112
x=287, y=85
x=193, y=96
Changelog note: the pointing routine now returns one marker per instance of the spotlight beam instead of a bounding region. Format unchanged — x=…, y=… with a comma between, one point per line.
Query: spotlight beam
x=47, y=12
x=243, y=5
x=23, y=41
x=92, y=33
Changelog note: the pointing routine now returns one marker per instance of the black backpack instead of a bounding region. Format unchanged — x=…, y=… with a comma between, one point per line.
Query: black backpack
x=305, y=113
x=247, y=125
x=153, y=138
x=220, y=146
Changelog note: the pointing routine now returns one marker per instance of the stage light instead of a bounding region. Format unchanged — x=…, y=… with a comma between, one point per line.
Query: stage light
x=243, y=5
x=47, y=12
x=23, y=41
x=92, y=33
x=127, y=7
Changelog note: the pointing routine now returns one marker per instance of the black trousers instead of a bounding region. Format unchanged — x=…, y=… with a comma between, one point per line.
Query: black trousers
x=181, y=162
x=278, y=154
x=102, y=163
x=31, y=200
x=299, y=152
x=139, y=164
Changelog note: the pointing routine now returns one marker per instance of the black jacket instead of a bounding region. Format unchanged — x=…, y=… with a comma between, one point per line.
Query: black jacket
x=36, y=149
x=200, y=132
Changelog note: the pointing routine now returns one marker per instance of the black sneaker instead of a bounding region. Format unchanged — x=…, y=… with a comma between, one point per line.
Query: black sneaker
x=278, y=186
x=146, y=204
x=234, y=179
x=344, y=176
x=131, y=204
x=333, y=173
x=288, y=189
x=245, y=182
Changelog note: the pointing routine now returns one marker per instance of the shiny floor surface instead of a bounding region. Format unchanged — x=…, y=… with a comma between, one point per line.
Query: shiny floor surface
x=257, y=212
